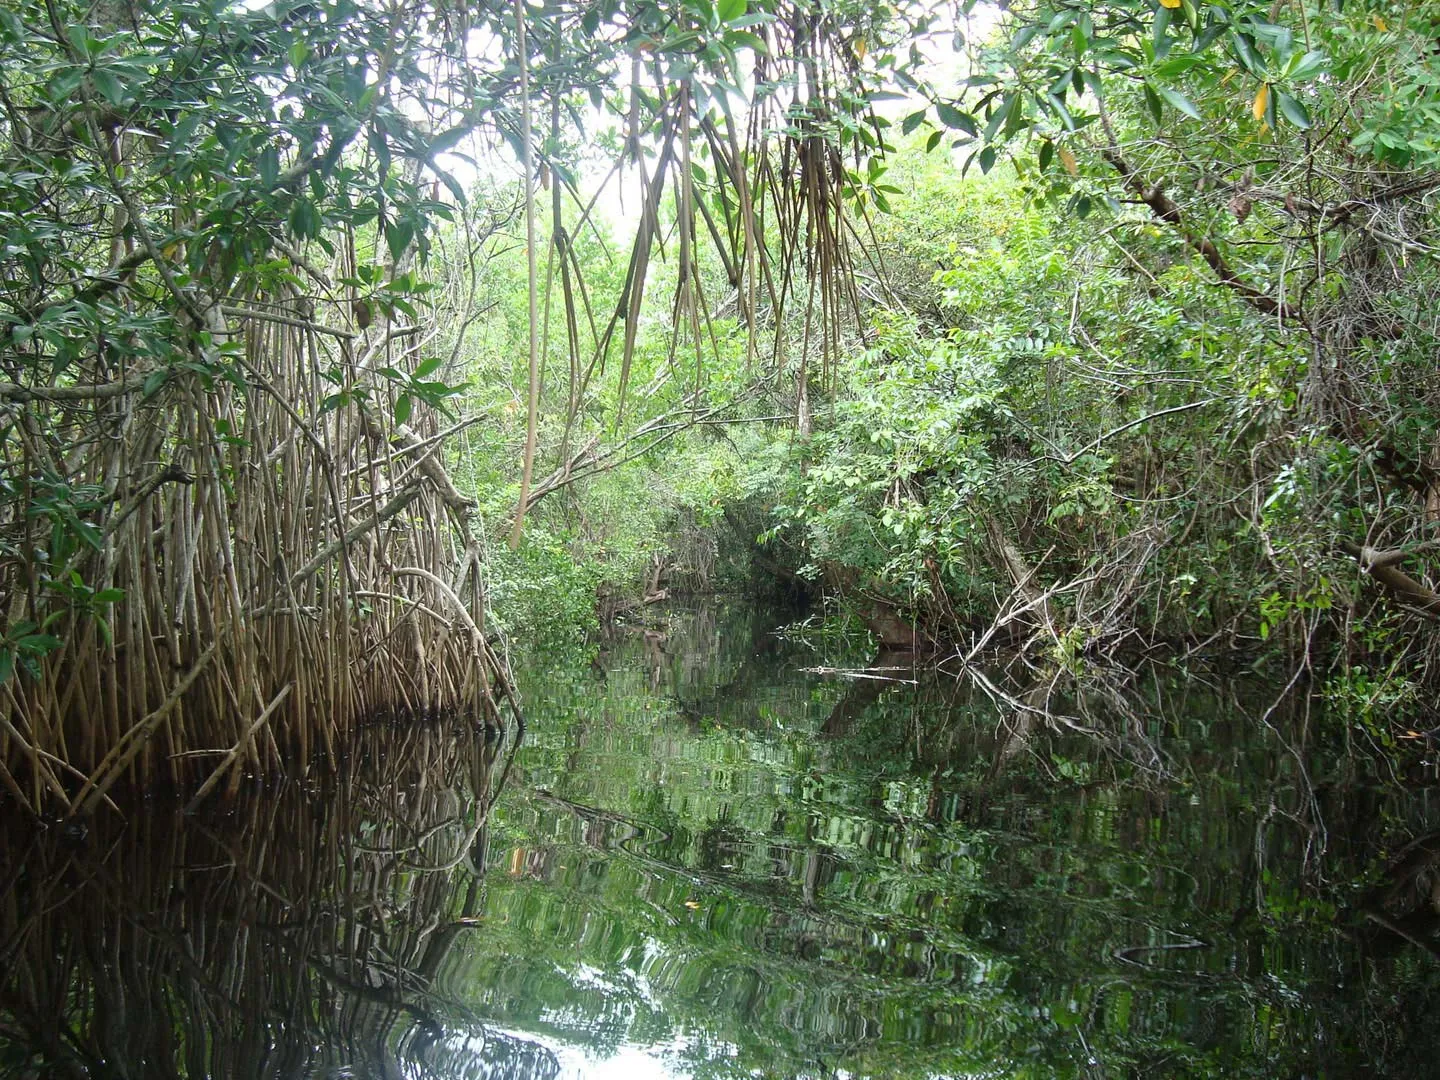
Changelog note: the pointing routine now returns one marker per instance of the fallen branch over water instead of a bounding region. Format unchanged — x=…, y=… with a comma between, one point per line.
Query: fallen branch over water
x=859, y=673
x=235, y=751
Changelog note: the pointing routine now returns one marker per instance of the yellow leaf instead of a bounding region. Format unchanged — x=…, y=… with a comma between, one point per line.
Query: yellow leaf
x=1170, y=3
x=1380, y=23
x=860, y=48
x=1068, y=160
x=692, y=905
x=1262, y=99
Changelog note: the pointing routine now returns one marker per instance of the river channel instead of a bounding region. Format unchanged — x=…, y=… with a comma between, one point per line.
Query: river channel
x=726, y=851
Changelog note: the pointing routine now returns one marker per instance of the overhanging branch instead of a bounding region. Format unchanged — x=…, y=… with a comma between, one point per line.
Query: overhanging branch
x=16, y=392
x=1168, y=210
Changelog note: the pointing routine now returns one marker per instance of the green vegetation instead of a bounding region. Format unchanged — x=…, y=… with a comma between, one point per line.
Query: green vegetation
x=1162, y=379
x=354, y=351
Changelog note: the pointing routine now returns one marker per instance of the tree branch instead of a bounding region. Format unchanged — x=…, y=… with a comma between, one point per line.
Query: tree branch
x=1167, y=210
x=97, y=391
x=1381, y=567
x=1126, y=427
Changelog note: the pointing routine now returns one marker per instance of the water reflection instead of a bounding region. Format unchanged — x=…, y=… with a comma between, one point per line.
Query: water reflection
x=710, y=862
x=1019, y=874
x=297, y=931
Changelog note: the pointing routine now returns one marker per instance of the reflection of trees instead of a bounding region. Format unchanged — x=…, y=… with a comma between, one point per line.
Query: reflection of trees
x=959, y=874
x=300, y=929
x=1306, y=821
x=725, y=663
x=721, y=844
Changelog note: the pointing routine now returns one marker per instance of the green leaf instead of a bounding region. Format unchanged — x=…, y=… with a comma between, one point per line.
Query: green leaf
x=1058, y=108
x=109, y=86
x=1307, y=66
x=403, y=405
x=1152, y=103
x=1179, y=101
x=745, y=39
x=13, y=27
x=933, y=141
x=269, y=166
x=1176, y=65
x=1161, y=37
x=452, y=185
x=1208, y=36
x=1247, y=54
x=303, y=219
x=1278, y=37
x=730, y=10
x=448, y=138
x=81, y=40
x=398, y=236
x=913, y=121
x=1293, y=110
x=955, y=118
x=1014, y=114
x=86, y=532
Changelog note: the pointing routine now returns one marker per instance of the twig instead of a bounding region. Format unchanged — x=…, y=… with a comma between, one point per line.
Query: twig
x=1126, y=427
x=237, y=749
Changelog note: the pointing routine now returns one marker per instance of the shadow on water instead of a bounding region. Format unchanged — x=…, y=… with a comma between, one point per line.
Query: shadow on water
x=297, y=931
x=726, y=854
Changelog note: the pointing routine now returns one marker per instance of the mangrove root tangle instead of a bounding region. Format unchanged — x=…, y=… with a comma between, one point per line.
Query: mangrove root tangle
x=287, y=564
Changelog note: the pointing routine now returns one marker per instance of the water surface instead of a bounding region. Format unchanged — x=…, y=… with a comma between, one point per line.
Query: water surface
x=709, y=861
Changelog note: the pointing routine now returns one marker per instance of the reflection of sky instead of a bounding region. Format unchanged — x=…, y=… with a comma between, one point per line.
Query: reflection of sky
x=627, y=1061
x=638, y=985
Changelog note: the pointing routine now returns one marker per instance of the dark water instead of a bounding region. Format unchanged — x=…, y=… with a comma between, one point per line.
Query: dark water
x=709, y=862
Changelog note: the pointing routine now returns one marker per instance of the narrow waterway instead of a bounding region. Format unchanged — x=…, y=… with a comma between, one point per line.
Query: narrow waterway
x=727, y=852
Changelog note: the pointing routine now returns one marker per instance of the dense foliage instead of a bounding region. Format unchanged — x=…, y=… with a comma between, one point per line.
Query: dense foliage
x=342, y=340
x=223, y=486
x=1164, y=377
x=1068, y=326
x=1175, y=380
